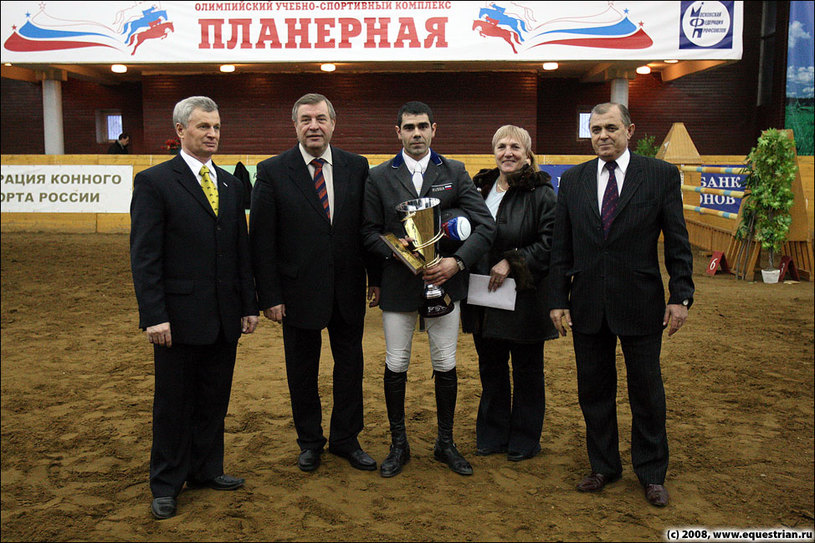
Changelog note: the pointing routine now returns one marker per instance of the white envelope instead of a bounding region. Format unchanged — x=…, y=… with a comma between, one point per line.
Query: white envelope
x=501, y=298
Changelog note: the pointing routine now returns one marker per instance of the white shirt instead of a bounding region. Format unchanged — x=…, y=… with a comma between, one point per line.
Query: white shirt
x=417, y=167
x=493, y=200
x=619, y=175
x=328, y=173
x=195, y=166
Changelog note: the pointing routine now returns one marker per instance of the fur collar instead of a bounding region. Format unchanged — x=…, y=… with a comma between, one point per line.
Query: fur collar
x=527, y=179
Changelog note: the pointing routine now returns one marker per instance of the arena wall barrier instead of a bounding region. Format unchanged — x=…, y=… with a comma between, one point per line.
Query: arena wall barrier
x=707, y=230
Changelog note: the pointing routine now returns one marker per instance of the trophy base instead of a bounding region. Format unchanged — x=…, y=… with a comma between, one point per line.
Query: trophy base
x=437, y=307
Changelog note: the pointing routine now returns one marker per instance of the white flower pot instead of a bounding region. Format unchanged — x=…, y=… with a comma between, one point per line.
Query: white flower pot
x=770, y=276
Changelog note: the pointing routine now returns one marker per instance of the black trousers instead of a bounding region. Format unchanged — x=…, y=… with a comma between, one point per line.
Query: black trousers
x=510, y=418
x=595, y=355
x=192, y=388
x=302, y=348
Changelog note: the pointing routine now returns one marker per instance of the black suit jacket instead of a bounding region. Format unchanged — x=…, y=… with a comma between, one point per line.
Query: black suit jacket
x=300, y=258
x=619, y=277
x=390, y=184
x=190, y=267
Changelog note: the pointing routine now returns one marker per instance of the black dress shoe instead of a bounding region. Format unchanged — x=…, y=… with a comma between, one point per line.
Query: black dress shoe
x=163, y=508
x=486, y=451
x=517, y=456
x=309, y=459
x=359, y=459
x=221, y=482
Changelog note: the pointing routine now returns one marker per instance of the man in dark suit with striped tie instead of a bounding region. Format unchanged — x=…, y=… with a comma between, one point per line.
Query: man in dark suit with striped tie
x=310, y=271
x=192, y=274
x=606, y=285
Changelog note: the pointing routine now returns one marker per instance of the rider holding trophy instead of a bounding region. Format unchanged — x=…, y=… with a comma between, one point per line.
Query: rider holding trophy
x=404, y=200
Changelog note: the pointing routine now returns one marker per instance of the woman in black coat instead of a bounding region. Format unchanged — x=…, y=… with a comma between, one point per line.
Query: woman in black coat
x=522, y=201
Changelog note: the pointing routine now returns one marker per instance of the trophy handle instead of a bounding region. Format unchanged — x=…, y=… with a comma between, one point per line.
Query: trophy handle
x=430, y=242
x=417, y=246
x=433, y=262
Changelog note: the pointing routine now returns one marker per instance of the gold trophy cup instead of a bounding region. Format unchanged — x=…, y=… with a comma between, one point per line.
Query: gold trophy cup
x=422, y=222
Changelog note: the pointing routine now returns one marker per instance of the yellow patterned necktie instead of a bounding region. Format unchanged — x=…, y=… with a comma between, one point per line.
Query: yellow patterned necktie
x=209, y=189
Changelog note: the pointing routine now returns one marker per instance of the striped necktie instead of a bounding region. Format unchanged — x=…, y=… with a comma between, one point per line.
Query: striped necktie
x=209, y=189
x=319, y=184
x=610, y=198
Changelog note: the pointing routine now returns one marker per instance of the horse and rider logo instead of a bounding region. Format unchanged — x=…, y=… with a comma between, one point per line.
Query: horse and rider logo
x=519, y=27
x=130, y=28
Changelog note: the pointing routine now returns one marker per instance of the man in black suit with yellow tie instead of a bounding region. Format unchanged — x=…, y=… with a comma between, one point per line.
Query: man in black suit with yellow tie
x=310, y=269
x=606, y=284
x=189, y=253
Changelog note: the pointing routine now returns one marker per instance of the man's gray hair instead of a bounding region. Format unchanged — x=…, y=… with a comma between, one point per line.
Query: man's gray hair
x=601, y=109
x=313, y=98
x=184, y=108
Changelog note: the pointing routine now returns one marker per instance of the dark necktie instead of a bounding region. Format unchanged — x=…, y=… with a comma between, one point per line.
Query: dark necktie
x=319, y=184
x=610, y=198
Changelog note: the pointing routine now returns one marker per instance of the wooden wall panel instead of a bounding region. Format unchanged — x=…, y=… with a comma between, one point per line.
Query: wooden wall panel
x=21, y=122
x=256, y=109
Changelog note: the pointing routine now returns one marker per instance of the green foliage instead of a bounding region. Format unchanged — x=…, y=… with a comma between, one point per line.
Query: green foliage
x=771, y=168
x=646, y=146
x=799, y=116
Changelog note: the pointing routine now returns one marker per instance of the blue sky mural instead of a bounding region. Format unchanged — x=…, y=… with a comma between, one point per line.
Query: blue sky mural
x=800, y=68
x=800, y=75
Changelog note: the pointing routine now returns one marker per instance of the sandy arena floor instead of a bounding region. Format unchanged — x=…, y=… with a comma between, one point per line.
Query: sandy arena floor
x=77, y=385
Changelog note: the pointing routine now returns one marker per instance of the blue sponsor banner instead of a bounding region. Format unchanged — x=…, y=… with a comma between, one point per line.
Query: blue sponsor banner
x=725, y=181
x=555, y=170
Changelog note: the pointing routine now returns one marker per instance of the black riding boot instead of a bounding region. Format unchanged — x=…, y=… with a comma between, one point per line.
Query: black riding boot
x=395, y=402
x=445, y=450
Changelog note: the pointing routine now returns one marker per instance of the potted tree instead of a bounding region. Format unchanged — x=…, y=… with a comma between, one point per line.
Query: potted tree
x=765, y=216
x=646, y=146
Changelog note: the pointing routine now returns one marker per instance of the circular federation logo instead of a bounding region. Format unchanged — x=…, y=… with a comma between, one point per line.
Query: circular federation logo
x=705, y=24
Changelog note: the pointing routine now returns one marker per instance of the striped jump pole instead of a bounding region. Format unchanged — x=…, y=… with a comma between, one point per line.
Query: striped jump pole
x=721, y=192
x=715, y=212
x=739, y=194
x=713, y=169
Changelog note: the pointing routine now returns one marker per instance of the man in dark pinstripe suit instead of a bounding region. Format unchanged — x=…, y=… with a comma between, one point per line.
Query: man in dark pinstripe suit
x=606, y=284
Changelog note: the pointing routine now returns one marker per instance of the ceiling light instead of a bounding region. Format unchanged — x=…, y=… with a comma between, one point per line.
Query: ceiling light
x=228, y=68
x=671, y=61
x=118, y=68
x=328, y=67
x=643, y=70
x=8, y=64
x=548, y=66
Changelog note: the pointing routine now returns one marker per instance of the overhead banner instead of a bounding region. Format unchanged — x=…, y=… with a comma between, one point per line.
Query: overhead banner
x=236, y=32
x=65, y=189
